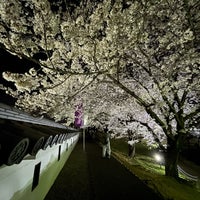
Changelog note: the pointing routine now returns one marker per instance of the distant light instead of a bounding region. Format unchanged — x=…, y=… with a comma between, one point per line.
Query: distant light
x=158, y=157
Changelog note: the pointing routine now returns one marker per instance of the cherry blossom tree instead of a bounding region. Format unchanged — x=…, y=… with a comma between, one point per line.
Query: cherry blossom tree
x=119, y=56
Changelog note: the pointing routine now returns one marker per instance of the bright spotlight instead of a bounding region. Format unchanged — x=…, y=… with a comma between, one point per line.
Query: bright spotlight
x=158, y=157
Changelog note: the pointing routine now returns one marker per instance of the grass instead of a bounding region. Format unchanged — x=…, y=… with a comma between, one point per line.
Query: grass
x=146, y=169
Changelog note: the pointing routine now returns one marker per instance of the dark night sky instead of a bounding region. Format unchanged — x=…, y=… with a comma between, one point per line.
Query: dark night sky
x=9, y=62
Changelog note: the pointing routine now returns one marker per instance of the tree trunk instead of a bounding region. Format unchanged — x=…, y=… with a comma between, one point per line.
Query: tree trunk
x=171, y=158
x=131, y=150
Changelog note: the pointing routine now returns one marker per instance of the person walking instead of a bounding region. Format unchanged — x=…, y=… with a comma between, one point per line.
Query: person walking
x=106, y=149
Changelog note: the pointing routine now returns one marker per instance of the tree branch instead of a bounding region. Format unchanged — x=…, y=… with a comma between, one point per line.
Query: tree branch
x=141, y=102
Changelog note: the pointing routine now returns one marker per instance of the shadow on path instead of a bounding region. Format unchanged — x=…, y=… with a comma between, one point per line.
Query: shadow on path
x=87, y=176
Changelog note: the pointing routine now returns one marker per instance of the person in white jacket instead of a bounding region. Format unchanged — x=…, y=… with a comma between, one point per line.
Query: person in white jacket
x=106, y=149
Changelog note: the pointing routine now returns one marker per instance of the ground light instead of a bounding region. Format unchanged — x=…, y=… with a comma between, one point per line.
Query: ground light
x=158, y=158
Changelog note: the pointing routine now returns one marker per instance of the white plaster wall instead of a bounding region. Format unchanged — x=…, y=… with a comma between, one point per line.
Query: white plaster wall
x=16, y=180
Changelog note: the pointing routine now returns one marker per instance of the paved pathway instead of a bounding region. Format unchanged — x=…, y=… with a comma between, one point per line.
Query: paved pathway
x=87, y=176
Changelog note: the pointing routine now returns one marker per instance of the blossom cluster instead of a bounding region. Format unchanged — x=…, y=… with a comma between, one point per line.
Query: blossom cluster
x=115, y=58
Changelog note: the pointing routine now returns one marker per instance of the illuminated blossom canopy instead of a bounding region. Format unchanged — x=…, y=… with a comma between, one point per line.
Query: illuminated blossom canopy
x=131, y=63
